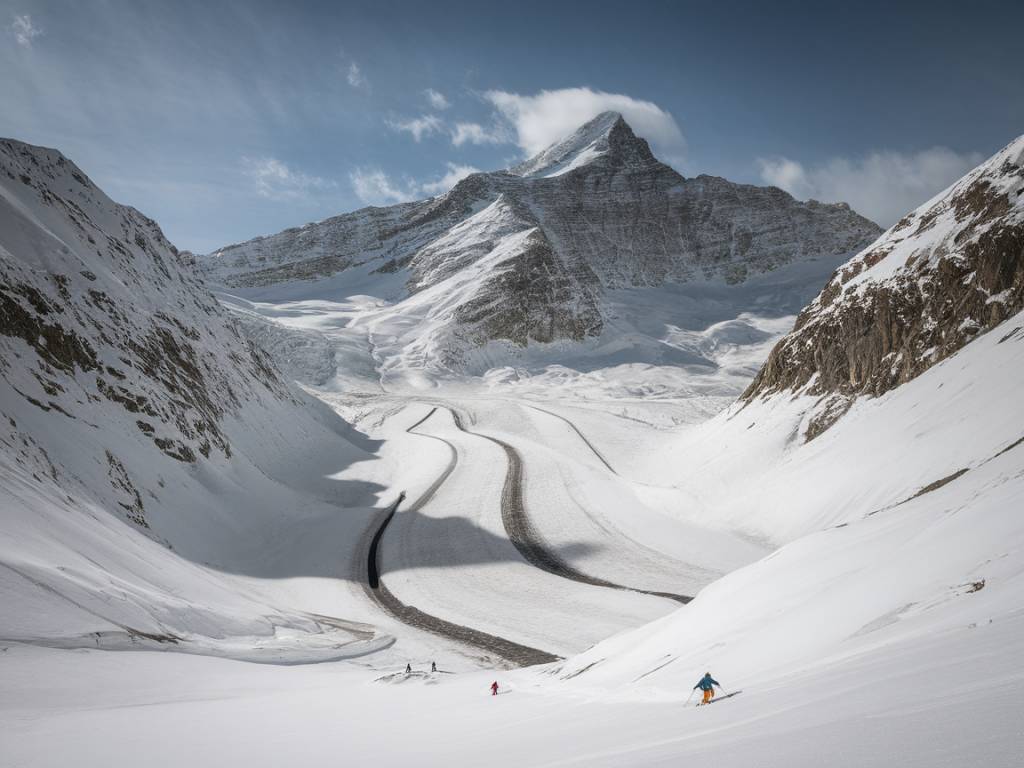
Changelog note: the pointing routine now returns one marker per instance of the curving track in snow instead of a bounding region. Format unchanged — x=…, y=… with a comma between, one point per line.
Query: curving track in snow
x=523, y=534
x=514, y=652
x=590, y=445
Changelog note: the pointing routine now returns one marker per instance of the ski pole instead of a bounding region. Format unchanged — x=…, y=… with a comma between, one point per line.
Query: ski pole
x=689, y=697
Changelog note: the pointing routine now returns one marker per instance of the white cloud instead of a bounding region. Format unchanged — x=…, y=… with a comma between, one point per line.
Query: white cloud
x=548, y=116
x=355, y=76
x=374, y=187
x=456, y=173
x=785, y=174
x=883, y=185
x=276, y=181
x=421, y=126
x=474, y=133
x=24, y=30
x=436, y=99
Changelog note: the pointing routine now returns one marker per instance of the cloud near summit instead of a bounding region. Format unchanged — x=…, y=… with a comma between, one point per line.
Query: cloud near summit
x=544, y=118
x=882, y=185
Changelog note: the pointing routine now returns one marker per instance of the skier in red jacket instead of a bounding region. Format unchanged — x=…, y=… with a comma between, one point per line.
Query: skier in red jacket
x=494, y=688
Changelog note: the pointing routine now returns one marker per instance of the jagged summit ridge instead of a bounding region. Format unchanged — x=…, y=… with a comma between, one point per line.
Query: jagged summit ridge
x=607, y=134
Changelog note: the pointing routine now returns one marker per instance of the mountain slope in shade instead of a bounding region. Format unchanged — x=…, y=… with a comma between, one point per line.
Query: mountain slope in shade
x=143, y=438
x=545, y=243
x=944, y=274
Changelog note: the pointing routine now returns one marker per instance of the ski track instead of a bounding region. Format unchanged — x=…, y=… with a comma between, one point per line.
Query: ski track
x=582, y=437
x=521, y=655
x=525, y=537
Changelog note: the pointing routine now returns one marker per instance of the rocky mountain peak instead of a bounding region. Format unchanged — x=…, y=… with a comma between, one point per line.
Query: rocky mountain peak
x=607, y=138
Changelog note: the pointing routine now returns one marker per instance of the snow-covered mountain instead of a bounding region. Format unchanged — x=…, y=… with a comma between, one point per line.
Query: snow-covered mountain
x=534, y=255
x=142, y=434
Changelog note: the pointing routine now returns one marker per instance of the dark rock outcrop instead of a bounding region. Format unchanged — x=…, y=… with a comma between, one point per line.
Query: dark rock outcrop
x=940, y=277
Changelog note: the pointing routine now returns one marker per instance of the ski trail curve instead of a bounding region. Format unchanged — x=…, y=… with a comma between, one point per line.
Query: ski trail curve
x=525, y=537
x=521, y=655
x=576, y=429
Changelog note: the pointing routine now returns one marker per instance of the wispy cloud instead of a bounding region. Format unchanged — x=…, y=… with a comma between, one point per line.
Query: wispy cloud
x=375, y=187
x=455, y=174
x=544, y=118
x=355, y=76
x=418, y=127
x=276, y=181
x=436, y=99
x=24, y=30
x=882, y=185
x=475, y=133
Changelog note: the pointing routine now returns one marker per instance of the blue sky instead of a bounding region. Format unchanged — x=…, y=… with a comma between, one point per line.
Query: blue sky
x=226, y=120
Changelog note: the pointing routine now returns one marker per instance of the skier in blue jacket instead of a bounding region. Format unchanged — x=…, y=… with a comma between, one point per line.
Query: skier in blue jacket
x=707, y=684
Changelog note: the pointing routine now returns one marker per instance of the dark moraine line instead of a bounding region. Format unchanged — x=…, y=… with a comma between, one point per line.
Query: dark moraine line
x=525, y=537
x=514, y=652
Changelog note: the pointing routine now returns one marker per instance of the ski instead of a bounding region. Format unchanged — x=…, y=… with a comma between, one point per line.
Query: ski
x=720, y=697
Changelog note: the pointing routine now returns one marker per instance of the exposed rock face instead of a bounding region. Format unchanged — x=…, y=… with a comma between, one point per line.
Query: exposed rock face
x=944, y=274
x=532, y=299
x=108, y=330
x=604, y=213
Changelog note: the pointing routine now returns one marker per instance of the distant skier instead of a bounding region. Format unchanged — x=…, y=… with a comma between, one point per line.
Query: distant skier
x=494, y=688
x=408, y=669
x=433, y=666
x=707, y=684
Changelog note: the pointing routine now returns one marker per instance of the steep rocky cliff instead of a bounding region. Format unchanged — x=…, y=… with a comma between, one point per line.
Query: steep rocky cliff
x=944, y=274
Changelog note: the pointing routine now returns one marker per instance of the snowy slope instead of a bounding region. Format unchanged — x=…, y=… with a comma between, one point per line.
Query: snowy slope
x=894, y=517
x=942, y=702
x=900, y=527
x=146, y=442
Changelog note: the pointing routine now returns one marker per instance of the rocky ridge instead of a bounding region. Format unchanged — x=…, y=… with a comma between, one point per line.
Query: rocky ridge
x=941, y=276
